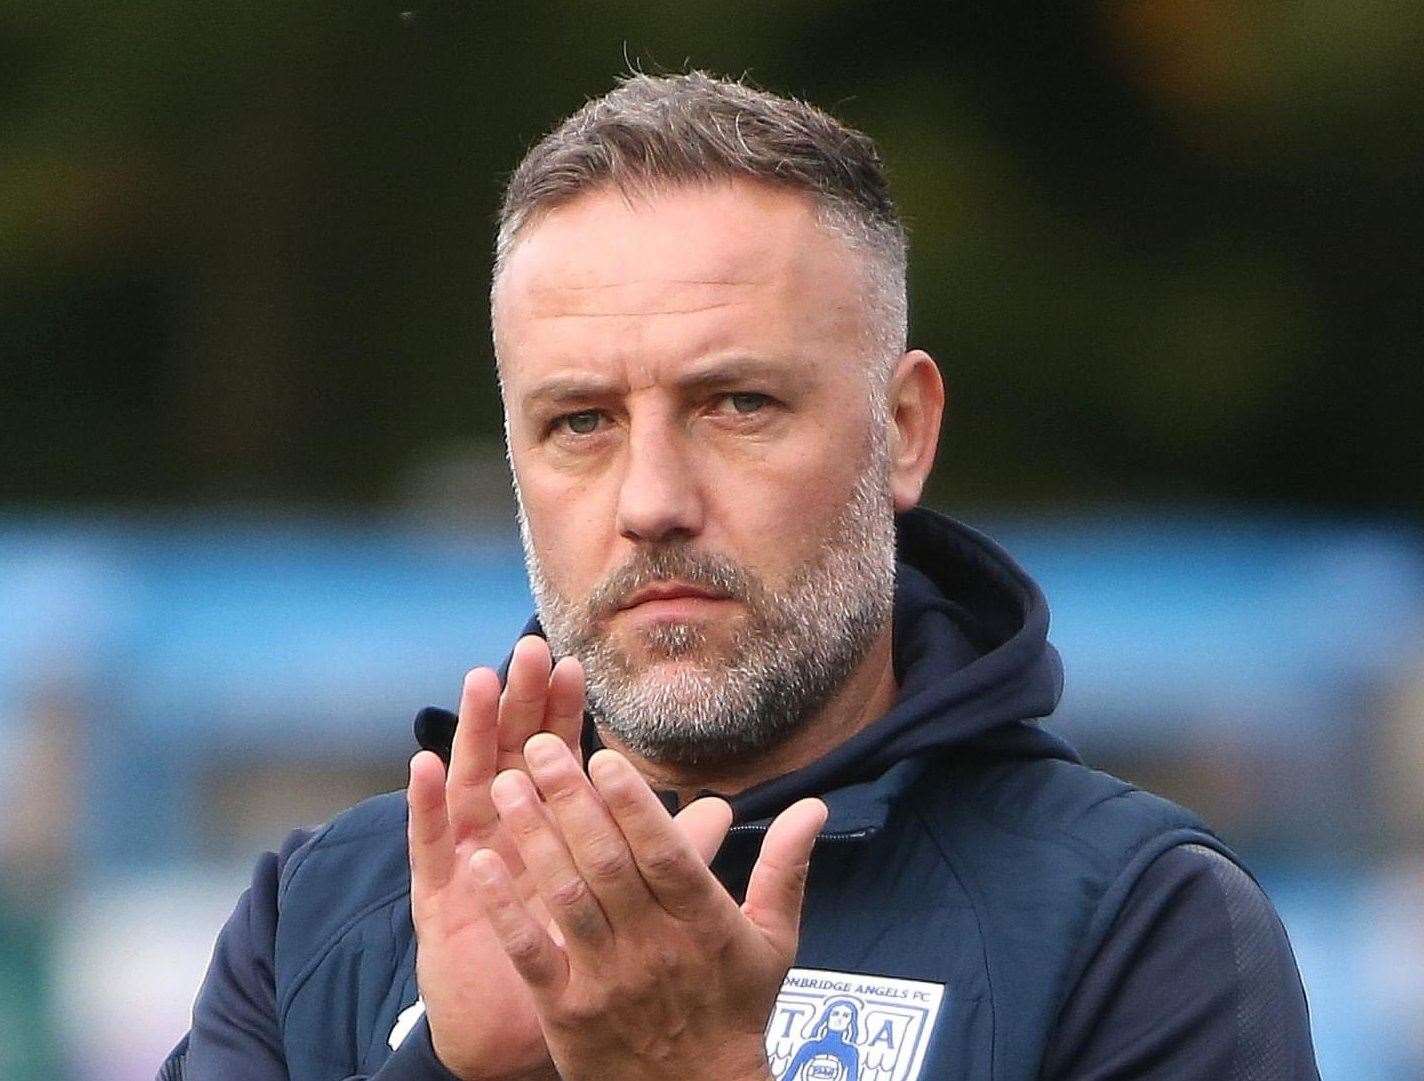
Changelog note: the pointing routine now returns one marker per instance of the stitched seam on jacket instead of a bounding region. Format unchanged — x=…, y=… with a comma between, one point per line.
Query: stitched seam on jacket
x=297, y=860
x=335, y=940
x=974, y=907
x=321, y=838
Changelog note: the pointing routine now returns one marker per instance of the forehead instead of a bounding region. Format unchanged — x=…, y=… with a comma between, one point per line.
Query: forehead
x=737, y=265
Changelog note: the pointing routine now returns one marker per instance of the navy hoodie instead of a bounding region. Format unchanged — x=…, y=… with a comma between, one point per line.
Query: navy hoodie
x=981, y=904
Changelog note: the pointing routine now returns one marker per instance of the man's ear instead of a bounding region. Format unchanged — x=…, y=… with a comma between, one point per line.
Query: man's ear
x=916, y=405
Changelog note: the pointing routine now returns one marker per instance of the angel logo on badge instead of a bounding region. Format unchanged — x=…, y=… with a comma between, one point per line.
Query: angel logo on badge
x=831, y=1053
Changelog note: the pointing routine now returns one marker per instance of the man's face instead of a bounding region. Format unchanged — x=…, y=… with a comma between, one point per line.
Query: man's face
x=700, y=464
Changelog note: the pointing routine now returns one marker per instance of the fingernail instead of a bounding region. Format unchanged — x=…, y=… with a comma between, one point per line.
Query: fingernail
x=606, y=765
x=507, y=789
x=484, y=864
x=541, y=751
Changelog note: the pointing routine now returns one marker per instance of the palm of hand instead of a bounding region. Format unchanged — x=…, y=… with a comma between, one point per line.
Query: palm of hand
x=461, y=969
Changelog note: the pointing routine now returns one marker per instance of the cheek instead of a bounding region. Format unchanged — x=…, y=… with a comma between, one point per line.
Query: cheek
x=568, y=527
x=779, y=513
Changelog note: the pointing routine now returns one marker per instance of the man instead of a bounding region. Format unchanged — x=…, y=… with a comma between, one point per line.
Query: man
x=718, y=441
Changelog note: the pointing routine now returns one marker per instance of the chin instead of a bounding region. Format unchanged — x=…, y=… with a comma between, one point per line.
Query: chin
x=656, y=666
x=694, y=644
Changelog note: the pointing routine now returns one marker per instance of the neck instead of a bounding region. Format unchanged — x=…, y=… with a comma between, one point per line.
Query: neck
x=863, y=698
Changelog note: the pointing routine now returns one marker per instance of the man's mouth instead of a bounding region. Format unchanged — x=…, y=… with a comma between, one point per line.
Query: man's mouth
x=680, y=593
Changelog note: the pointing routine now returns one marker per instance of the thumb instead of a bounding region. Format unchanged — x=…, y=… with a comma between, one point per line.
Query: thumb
x=778, y=881
x=705, y=822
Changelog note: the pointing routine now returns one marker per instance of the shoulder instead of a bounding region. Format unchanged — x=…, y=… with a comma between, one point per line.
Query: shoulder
x=1049, y=839
x=369, y=837
x=1203, y=908
x=1196, y=870
x=302, y=899
x=235, y=1032
x=1061, y=805
x=1207, y=895
x=247, y=939
x=1053, y=840
x=354, y=866
x=1195, y=973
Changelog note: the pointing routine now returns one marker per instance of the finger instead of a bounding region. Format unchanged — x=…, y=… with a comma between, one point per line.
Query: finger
x=705, y=822
x=563, y=890
x=669, y=862
x=472, y=753
x=593, y=839
x=521, y=707
x=778, y=881
x=431, y=841
x=563, y=711
x=527, y=945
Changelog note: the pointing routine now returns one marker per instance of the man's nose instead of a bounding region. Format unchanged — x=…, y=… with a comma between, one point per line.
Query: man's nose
x=661, y=496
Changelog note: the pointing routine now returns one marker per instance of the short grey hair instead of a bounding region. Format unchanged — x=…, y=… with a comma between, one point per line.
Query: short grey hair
x=654, y=132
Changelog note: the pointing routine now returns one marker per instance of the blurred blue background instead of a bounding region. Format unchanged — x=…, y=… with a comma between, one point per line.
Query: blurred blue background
x=254, y=511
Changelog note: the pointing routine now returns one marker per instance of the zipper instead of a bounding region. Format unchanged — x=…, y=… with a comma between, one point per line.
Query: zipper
x=832, y=835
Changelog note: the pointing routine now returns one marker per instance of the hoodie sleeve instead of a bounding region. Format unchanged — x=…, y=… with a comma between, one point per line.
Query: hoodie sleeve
x=235, y=1034
x=1195, y=980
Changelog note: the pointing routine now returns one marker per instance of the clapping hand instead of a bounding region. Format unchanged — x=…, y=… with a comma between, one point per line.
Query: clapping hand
x=639, y=964
x=568, y=921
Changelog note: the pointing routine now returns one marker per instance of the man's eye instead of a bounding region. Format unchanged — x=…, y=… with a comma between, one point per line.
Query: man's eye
x=585, y=423
x=746, y=402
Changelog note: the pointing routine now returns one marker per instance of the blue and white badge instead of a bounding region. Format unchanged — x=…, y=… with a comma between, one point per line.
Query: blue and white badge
x=842, y=1026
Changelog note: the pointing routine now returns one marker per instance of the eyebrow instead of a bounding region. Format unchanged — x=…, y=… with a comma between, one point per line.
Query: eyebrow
x=730, y=371
x=566, y=389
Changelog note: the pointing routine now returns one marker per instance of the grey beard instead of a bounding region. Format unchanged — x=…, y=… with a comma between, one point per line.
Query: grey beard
x=792, y=652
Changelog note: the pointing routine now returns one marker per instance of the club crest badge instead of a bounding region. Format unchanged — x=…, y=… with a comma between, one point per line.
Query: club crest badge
x=840, y=1026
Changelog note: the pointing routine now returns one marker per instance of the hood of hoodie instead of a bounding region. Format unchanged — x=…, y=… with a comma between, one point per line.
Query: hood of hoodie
x=972, y=660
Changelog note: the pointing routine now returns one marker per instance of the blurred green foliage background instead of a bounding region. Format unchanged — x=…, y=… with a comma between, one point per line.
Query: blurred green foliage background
x=1163, y=250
